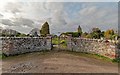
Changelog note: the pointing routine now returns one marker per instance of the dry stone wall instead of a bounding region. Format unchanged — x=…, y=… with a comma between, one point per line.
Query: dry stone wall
x=18, y=45
x=94, y=46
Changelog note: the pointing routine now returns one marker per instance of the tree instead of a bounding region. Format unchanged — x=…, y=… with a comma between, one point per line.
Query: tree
x=22, y=35
x=18, y=34
x=84, y=35
x=109, y=34
x=79, y=30
x=96, y=33
x=102, y=34
x=88, y=36
x=45, y=29
x=74, y=34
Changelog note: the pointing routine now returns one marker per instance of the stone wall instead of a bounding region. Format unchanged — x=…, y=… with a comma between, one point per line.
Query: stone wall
x=18, y=45
x=94, y=46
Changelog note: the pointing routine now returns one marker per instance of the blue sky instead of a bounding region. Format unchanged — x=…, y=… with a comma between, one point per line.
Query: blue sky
x=74, y=7
x=62, y=16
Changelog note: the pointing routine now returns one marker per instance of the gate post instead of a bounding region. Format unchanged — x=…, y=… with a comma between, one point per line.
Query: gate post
x=69, y=42
x=49, y=42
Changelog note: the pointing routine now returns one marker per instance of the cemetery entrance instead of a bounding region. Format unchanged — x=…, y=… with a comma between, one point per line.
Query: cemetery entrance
x=59, y=43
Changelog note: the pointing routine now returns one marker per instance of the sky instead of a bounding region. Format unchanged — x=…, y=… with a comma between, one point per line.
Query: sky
x=62, y=15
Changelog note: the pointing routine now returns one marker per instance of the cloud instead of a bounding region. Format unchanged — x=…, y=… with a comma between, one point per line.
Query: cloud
x=62, y=16
x=58, y=15
x=88, y=10
x=23, y=22
x=1, y=15
x=36, y=11
x=13, y=7
x=7, y=22
x=17, y=22
x=96, y=16
x=72, y=0
x=58, y=18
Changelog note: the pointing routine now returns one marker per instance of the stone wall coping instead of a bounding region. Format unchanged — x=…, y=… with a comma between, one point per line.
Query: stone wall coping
x=22, y=37
x=97, y=40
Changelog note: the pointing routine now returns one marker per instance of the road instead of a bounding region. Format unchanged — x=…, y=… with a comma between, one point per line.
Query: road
x=56, y=62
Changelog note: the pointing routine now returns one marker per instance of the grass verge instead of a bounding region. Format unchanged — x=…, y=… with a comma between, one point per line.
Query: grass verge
x=44, y=52
x=96, y=56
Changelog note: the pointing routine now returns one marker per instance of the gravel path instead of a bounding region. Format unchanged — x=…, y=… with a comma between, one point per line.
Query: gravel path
x=56, y=62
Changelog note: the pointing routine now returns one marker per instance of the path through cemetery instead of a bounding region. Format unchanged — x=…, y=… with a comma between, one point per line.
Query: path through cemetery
x=56, y=62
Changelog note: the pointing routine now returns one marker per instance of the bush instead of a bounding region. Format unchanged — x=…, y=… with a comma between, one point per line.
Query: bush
x=55, y=41
x=116, y=60
x=2, y=56
x=74, y=34
x=62, y=41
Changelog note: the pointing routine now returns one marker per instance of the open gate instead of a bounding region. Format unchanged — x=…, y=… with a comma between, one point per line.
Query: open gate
x=59, y=43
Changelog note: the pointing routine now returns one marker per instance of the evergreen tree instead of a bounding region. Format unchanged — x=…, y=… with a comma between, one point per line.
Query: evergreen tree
x=45, y=29
x=79, y=30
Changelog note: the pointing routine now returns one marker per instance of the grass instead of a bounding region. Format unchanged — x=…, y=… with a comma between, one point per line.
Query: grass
x=96, y=56
x=57, y=41
x=116, y=60
x=2, y=56
x=62, y=43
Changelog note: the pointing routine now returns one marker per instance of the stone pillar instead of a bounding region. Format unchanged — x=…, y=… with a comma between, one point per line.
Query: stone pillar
x=69, y=42
x=49, y=42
